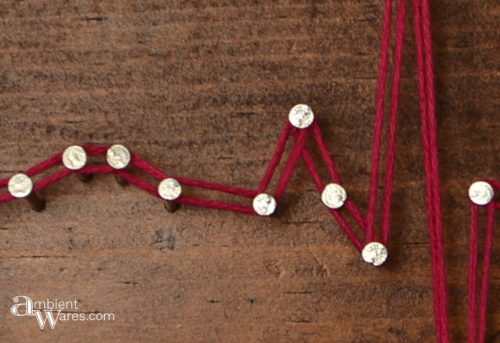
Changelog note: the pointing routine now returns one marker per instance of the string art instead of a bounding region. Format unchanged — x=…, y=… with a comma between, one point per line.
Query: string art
x=301, y=124
x=300, y=127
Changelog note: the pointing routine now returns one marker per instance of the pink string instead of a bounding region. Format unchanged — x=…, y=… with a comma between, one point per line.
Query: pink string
x=291, y=163
x=183, y=199
x=44, y=166
x=429, y=138
x=297, y=151
x=275, y=161
x=379, y=119
x=495, y=184
x=393, y=122
x=327, y=157
x=334, y=174
x=477, y=308
x=6, y=197
x=51, y=179
x=95, y=150
x=473, y=252
x=215, y=205
x=95, y=170
x=247, y=193
x=338, y=217
x=149, y=169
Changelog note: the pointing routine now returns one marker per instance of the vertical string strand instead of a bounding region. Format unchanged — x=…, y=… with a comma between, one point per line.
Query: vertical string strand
x=472, y=287
x=379, y=120
x=393, y=122
x=429, y=141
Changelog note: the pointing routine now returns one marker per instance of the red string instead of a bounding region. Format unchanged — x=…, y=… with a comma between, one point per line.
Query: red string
x=478, y=307
x=393, y=122
x=495, y=184
x=291, y=163
x=379, y=119
x=95, y=170
x=473, y=251
x=146, y=167
x=336, y=214
x=247, y=193
x=58, y=176
x=275, y=161
x=298, y=151
x=215, y=205
x=334, y=174
x=429, y=138
x=46, y=165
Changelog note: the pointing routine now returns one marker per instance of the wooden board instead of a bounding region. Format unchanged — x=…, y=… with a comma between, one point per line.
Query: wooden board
x=201, y=89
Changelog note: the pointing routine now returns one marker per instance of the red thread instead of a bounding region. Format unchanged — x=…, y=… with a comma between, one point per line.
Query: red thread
x=379, y=119
x=334, y=174
x=338, y=217
x=478, y=307
x=393, y=122
x=495, y=184
x=95, y=170
x=247, y=193
x=95, y=150
x=215, y=205
x=149, y=169
x=433, y=189
x=50, y=180
x=299, y=150
x=291, y=163
x=275, y=161
x=473, y=241
x=44, y=166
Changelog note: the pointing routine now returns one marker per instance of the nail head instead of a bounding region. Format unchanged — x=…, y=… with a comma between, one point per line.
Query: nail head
x=301, y=116
x=264, y=204
x=375, y=253
x=170, y=189
x=20, y=185
x=74, y=157
x=334, y=196
x=118, y=156
x=481, y=193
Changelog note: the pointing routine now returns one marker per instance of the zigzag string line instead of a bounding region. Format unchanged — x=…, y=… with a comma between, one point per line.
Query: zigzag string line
x=478, y=298
x=299, y=151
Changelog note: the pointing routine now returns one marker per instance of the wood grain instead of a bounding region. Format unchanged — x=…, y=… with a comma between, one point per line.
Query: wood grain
x=201, y=89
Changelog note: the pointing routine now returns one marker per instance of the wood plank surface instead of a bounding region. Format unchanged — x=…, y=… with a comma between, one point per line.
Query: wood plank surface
x=201, y=89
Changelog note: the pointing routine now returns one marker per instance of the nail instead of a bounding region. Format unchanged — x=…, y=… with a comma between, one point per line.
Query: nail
x=118, y=157
x=21, y=186
x=84, y=177
x=75, y=158
x=171, y=206
x=121, y=181
x=36, y=203
x=170, y=189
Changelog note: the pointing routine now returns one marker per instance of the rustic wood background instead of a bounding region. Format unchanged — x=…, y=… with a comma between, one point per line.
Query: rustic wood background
x=201, y=88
